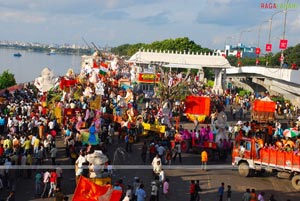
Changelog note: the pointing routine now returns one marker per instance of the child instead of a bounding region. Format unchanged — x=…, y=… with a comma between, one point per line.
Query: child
x=228, y=193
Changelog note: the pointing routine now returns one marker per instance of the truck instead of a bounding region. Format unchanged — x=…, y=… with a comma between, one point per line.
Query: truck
x=263, y=110
x=251, y=160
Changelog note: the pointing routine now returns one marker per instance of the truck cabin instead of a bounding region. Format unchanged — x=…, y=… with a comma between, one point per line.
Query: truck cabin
x=245, y=148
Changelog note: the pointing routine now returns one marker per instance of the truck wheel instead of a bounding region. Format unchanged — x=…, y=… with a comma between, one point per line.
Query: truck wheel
x=244, y=169
x=296, y=182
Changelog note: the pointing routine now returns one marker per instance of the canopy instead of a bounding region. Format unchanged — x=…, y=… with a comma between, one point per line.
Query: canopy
x=264, y=105
x=199, y=105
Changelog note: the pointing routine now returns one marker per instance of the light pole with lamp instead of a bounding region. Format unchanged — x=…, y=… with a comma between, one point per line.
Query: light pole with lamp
x=269, y=46
x=257, y=51
x=225, y=43
x=283, y=34
x=239, y=44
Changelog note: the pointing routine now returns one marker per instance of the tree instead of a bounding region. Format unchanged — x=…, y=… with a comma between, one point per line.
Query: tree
x=179, y=44
x=174, y=91
x=232, y=60
x=7, y=80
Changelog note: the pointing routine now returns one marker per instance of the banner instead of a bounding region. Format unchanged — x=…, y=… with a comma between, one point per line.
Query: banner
x=148, y=77
x=268, y=47
x=257, y=50
x=264, y=106
x=283, y=44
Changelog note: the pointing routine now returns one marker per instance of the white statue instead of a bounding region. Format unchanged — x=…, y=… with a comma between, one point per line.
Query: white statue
x=133, y=74
x=97, y=162
x=114, y=64
x=99, y=89
x=166, y=114
x=46, y=81
x=220, y=125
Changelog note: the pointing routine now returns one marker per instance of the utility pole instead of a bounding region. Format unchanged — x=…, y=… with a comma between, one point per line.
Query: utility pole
x=283, y=35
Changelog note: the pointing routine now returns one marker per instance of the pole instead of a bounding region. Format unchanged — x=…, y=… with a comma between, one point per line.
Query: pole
x=240, y=42
x=283, y=34
x=258, y=38
x=225, y=42
x=270, y=30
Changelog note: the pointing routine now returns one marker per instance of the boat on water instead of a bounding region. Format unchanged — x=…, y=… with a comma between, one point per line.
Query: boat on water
x=52, y=52
x=17, y=54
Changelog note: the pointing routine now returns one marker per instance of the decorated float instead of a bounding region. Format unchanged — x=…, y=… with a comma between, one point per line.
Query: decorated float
x=263, y=110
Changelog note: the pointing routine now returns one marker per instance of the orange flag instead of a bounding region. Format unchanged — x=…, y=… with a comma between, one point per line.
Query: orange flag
x=86, y=190
x=116, y=195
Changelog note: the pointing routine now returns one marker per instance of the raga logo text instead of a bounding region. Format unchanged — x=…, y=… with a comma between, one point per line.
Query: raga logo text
x=272, y=5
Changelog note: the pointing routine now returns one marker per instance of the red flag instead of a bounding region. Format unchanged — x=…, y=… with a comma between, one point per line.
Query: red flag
x=283, y=44
x=268, y=47
x=257, y=50
x=238, y=54
x=86, y=190
x=104, y=65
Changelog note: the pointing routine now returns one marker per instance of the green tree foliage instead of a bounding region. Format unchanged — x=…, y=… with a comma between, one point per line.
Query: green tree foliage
x=291, y=56
x=232, y=60
x=7, y=80
x=208, y=73
x=179, y=44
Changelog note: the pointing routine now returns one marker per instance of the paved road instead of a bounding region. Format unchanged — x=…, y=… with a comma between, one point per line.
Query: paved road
x=179, y=177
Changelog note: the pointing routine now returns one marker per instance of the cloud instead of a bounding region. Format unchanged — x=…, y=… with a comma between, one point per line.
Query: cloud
x=294, y=24
x=156, y=20
x=20, y=17
x=230, y=13
x=113, y=15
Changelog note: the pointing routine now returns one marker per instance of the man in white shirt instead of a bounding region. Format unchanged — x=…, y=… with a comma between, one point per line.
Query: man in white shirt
x=246, y=128
x=79, y=164
x=46, y=179
x=156, y=165
x=51, y=125
x=177, y=149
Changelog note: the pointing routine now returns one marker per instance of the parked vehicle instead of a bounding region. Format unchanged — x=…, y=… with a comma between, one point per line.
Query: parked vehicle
x=250, y=160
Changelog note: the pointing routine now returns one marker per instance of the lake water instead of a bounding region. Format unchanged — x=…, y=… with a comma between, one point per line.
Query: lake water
x=29, y=66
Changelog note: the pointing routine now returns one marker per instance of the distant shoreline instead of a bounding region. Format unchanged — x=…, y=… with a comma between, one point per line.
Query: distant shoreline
x=66, y=51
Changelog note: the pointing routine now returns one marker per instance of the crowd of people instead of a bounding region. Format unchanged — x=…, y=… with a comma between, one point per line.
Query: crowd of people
x=31, y=122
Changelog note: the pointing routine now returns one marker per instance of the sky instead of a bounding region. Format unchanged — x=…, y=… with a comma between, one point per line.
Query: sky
x=210, y=23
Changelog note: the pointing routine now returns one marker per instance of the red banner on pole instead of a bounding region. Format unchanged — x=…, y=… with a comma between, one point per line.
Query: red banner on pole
x=238, y=54
x=268, y=47
x=257, y=50
x=283, y=44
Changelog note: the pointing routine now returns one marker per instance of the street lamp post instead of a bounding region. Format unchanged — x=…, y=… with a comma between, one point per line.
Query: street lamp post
x=239, y=42
x=259, y=30
x=258, y=39
x=225, y=43
x=283, y=34
x=270, y=30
